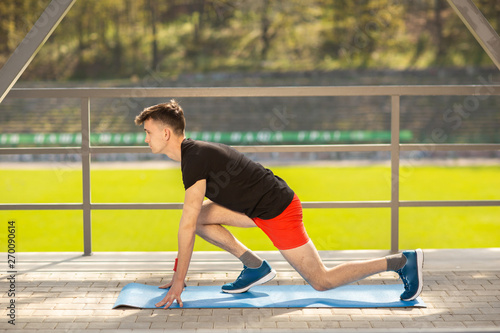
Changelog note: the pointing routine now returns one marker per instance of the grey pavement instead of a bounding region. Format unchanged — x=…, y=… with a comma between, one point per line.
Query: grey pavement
x=67, y=292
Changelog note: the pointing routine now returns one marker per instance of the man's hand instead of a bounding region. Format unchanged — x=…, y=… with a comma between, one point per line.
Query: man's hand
x=174, y=294
x=187, y=229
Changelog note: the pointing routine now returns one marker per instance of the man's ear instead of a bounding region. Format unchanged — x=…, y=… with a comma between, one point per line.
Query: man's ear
x=166, y=133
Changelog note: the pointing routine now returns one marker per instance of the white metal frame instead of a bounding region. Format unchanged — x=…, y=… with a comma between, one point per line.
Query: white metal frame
x=479, y=26
x=395, y=147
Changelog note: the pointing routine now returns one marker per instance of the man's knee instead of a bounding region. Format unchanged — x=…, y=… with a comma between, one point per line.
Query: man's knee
x=319, y=282
x=319, y=285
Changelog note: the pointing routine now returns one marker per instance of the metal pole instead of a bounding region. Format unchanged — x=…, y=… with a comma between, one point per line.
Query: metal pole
x=395, y=173
x=85, y=149
x=479, y=26
x=31, y=44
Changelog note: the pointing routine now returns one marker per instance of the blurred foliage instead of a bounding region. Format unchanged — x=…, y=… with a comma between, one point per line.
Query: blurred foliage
x=128, y=39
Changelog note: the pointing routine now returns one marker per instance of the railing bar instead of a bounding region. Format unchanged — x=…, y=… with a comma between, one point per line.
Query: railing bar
x=450, y=203
x=41, y=206
x=38, y=151
x=305, y=204
x=86, y=200
x=395, y=127
x=449, y=147
x=417, y=90
x=265, y=148
x=346, y=204
x=117, y=206
x=261, y=149
x=313, y=148
x=301, y=91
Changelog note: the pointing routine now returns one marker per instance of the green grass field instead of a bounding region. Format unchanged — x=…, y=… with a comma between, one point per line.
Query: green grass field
x=330, y=229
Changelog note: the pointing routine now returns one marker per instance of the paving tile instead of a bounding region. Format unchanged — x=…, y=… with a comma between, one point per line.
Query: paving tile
x=72, y=326
x=397, y=318
x=456, y=317
x=448, y=324
x=324, y=324
x=378, y=312
x=275, y=318
x=354, y=324
x=229, y=325
x=466, y=311
x=340, y=311
x=386, y=324
x=333, y=317
x=307, y=318
x=290, y=324
x=182, y=318
x=213, y=318
x=197, y=324
x=40, y=326
x=103, y=325
x=41, y=306
x=30, y=319
x=260, y=325
x=489, y=310
x=366, y=317
x=485, y=317
x=166, y=325
x=480, y=324
x=197, y=312
x=259, y=312
x=133, y=325
x=418, y=325
x=48, y=312
x=236, y=312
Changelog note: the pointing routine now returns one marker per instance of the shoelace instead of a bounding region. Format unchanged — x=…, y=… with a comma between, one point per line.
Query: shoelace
x=241, y=274
x=404, y=279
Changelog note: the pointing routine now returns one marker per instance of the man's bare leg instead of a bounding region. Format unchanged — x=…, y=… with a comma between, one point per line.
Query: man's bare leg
x=306, y=261
x=209, y=227
x=256, y=271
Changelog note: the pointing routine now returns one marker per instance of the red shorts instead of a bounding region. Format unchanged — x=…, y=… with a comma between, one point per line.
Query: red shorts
x=286, y=230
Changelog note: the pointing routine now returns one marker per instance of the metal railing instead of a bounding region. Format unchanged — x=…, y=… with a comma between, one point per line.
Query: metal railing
x=395, y=147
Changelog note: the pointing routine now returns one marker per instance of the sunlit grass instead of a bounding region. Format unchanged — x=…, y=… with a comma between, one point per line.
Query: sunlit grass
x=330, y=229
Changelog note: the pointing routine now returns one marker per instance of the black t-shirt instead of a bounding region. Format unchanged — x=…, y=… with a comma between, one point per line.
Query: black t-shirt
x=233, y=180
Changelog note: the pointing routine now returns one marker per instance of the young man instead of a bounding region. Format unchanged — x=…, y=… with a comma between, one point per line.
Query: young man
x=243, y=193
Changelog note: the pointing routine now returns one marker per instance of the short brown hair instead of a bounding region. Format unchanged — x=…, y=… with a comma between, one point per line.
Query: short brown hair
x=170, y=114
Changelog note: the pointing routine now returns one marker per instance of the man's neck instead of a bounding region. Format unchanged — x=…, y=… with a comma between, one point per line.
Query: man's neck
x=175, y=152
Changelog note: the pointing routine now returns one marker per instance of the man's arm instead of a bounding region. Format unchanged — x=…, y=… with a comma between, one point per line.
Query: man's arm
x=187, y=230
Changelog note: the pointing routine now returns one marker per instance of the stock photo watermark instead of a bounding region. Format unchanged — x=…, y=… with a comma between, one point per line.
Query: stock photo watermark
x=11, y=271
x=453, y=118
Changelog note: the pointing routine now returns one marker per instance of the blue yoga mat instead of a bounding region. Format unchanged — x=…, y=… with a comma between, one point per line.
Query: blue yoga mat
x=284, y=296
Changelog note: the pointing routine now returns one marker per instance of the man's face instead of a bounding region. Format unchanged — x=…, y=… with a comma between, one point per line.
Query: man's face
x=155, y=136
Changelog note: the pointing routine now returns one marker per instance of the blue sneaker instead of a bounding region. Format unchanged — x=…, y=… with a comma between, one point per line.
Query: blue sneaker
x=250, y=277
x=411, y=274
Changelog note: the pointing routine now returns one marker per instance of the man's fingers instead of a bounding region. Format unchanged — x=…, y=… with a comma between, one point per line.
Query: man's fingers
x=161, y=303
x=164, y=301
x=168, y=302
x=165, y=286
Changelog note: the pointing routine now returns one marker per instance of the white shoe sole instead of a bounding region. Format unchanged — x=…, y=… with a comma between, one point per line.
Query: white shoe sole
x=420, y=267
x=262, y=280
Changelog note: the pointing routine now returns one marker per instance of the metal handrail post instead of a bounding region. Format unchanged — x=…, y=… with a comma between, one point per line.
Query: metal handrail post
x=86, y=202
x=31, y=44
x=395, y=126
x=479, y=26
